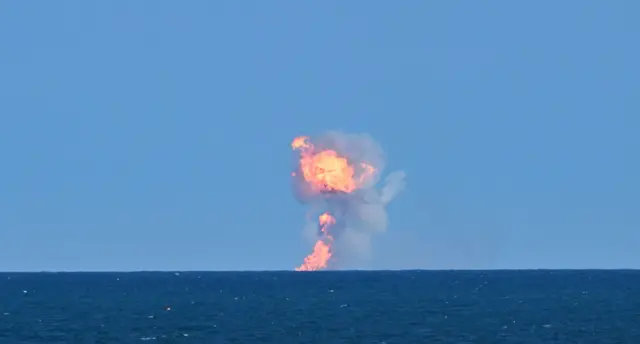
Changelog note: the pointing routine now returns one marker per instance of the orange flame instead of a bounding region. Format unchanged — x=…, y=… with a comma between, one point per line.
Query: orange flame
x=300, y=142
x=319, y=258
x=326, y=220
x=327, y=170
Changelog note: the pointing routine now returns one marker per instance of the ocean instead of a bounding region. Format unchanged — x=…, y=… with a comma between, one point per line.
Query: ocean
x=537, y=306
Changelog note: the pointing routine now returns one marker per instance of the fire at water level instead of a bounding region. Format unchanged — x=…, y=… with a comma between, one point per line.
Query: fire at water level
x=322, y=249
x=326, y=172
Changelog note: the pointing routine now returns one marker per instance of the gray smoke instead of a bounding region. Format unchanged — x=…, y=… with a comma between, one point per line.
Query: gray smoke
x=359, y=214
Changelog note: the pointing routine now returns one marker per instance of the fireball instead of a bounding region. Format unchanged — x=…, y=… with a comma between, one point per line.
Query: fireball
x=326, y=171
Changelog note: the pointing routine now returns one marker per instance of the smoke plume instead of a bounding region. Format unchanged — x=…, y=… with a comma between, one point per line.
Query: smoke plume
x=336, y=175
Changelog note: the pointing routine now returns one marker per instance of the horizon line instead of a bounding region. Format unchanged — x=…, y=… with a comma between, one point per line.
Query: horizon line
x=317, y=271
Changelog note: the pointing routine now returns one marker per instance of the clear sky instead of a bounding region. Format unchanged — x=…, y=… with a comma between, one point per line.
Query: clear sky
x=155, y=134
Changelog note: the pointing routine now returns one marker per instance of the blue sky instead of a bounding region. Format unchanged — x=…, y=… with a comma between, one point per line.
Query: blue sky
x=155, y=135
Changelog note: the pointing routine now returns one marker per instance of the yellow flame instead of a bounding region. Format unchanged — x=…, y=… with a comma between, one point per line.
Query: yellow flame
x=326, y=170
x=319, y=258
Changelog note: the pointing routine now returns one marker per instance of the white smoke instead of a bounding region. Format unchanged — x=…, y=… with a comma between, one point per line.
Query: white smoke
x=359, y=214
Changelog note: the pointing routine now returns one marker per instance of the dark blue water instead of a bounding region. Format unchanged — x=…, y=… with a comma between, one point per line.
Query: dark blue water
x=326, y=307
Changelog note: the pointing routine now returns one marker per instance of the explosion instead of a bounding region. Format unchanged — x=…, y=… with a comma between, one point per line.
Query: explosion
x=339, y=172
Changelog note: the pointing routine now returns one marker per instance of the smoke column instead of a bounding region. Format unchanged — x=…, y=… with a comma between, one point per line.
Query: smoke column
x=336, y=174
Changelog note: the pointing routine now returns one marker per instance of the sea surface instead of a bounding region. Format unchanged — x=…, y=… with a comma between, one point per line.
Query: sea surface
x=321, y=307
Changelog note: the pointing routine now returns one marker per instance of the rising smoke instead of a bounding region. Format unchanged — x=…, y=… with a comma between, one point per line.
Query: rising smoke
x=336, y=175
